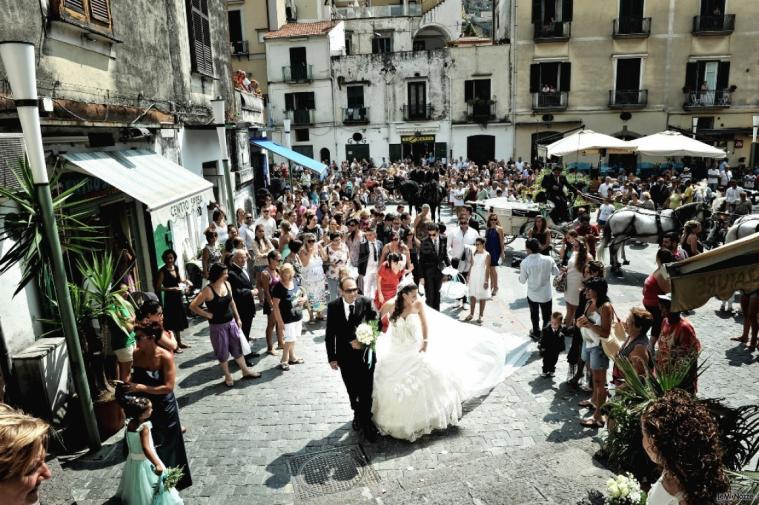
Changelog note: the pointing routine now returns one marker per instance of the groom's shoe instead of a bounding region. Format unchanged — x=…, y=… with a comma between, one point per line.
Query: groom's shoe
x=356, y=425
x=371, y=433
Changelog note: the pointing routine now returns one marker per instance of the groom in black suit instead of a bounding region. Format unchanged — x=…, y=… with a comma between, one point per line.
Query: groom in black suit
x=433, y=258
x=345, y=352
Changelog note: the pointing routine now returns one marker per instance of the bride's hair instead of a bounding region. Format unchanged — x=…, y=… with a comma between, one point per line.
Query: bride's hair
x=399, y=303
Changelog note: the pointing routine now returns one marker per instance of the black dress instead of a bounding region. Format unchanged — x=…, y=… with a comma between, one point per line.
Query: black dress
x=174, y=315
x=167, y=430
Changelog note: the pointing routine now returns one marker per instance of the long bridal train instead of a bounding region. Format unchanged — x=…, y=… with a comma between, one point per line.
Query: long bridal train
x=416, y=393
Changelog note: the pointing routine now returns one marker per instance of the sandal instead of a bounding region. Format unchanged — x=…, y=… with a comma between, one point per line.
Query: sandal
x=311, y=321
x=178, y=351
x=252, y=375
x=184, y=346
x=590, y=422
x=479, y=320
x=468, y=317
x=296, y=361
x=284, y=366
x=742, y=340
x=587, y=404
x=751, y=348
x=229, y=384
x=271, y=352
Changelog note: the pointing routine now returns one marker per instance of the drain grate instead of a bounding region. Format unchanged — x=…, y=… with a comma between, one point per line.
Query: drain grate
x=332, y=471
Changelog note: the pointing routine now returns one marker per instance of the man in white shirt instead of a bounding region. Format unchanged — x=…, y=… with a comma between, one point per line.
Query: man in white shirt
x=732, y=194
x=603, y=189
x=458, y=239
x=268, y=223
x=713, y=178
x=536, y=271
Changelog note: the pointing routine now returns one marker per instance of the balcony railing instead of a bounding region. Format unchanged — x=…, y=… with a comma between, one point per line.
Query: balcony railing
x=480, y=110
x=417, y=111
x=714, y=25
x=377, y=11
x=300, y=117
x=707, y=99
x=240, y=48
x=628, y=98
x=355, y=115
x=550, y=100
x=249, y=107
x=628, y=28
x=553, y=31
x=298, y=73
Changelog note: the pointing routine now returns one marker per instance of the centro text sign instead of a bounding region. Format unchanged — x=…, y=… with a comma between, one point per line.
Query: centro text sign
x=413, y=139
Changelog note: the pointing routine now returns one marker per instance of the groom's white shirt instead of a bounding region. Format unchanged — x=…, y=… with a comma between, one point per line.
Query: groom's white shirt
x=346, y=308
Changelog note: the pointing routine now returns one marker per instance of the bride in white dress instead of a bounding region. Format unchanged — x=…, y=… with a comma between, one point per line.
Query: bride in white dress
x=428, y=364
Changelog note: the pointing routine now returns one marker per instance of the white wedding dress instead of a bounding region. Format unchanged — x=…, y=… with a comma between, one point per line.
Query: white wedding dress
x=416, y=393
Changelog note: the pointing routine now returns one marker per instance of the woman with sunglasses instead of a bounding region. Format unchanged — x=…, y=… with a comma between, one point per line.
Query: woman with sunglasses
x=262, y=246
x=494, y=246
x=396, y=245
x=313, y=257
x=211, y=253
x=269, y=279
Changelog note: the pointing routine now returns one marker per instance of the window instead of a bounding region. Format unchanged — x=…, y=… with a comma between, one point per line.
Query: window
x=355, y=96
x=301, y=135
x=551, y=11
x=707, y=82
x=550, y=77
x=477, y=89
x=235, y=32
x=382, y=43
x=705, y=123
x=348, y=42
x=299, y=101
x=298, y=64
x=417, y=100
x=200, y=36
x=93, y=12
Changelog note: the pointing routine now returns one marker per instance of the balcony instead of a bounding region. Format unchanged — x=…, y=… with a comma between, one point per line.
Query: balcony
x=714, y=25
x=707, y=99
x=377, y=11
x=545, y=101
x=300, y=117
x=417, y=112
x=632, y=28
x=300, y=73
x=249, y=107
x=240, y=48
x=480, y=111
x=628, y=98
x=556, y=31
x=355, y=115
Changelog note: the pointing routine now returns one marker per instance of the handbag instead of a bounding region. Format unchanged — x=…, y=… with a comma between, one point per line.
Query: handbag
x=560, y=282
x=613, y=343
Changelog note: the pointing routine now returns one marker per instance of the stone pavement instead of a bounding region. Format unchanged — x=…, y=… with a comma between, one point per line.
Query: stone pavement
x=520, y=444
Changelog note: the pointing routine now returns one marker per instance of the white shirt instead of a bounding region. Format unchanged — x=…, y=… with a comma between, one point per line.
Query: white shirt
x=605, y=211
x=732, y=195
x=346, y=308
x=247, y=233
x=458, y=240
x=269, y=225
x=603, y=190
x=372, y=265
x=536, y=271
x=713, y=175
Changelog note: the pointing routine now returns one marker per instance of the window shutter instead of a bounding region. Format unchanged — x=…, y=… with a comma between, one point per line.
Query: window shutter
x=723, y=75
x=468, y=91
x=100, y=11
x=74, y=5
x=200, y=36
x=566, y=76
x=535, y=78
x=537, y=11
x=566, y=10
x=309, y=100
x=691, y=75
x=289, y=102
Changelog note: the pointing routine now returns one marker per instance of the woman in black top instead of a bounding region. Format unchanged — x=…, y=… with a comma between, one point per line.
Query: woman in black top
x=224, y=322
x=542, y=234
x=287, y=301
x=172, y=284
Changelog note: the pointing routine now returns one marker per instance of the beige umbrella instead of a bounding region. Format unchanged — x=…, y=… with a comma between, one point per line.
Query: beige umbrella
x=589, y=142
x=669, y=143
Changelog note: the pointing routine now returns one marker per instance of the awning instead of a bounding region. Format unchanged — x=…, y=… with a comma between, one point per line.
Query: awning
x=168, y=190
x=294, y=156
x=719, y=272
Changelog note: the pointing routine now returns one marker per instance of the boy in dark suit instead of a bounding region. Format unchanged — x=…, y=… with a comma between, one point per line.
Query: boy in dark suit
x=551, y=344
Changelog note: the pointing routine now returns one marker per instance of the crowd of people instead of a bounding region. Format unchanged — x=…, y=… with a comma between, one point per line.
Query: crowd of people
x=306, y=245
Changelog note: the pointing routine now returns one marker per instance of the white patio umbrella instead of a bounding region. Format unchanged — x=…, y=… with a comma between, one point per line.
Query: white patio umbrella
x=670, y=143
x=588, y=141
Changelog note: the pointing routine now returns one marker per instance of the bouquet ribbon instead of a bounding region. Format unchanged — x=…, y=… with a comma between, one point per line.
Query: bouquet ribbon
x=368, y=355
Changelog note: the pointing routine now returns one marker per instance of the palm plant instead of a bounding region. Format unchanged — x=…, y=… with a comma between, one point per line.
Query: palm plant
x=21, y=224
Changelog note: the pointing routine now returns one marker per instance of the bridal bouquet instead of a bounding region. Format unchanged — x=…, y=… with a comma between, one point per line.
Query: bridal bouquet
x=366, y=334
x=624, y=490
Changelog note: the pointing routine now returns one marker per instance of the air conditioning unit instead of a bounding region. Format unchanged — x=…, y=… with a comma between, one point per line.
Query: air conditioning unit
x=43, y=377
x=11, y=151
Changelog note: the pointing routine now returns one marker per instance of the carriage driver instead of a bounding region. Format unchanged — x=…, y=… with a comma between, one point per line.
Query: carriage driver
x=554, y=185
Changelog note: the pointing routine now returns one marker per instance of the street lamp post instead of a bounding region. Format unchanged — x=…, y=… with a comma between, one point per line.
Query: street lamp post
x=288, y=144
x=18, y=58
x=219, y=120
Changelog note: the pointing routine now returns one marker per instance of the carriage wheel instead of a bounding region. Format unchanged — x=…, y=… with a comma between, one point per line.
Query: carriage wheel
x=480, y=222
x=508, y=238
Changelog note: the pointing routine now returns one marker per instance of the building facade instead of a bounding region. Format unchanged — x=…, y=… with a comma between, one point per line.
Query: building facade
x=636, y=68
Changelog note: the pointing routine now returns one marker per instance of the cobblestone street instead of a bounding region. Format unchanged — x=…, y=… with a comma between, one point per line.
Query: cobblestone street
x=520, y=444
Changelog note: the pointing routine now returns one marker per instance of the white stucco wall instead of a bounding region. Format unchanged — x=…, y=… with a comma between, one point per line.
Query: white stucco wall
x=197, y=147
x=278, y=56
x=17, y=314
x=446, y=15
x=480, y=62
x=503, y=134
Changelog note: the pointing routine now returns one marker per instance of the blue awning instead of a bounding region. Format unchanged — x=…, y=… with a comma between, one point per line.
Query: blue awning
x=295, y=157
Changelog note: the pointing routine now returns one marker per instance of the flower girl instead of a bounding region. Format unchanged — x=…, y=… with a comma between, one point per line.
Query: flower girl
x=143, y=481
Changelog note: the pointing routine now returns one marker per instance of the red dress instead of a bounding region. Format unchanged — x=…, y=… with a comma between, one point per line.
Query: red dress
x=387, y=283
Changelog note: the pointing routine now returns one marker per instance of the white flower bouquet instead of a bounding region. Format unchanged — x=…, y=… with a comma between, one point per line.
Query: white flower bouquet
x=624, y=490
x=366, y=334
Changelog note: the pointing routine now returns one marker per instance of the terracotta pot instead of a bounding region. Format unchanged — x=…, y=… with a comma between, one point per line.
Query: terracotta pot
x=110, y=417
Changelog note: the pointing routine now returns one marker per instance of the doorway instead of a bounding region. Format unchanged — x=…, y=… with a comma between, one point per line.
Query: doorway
x=324, y=155
x=356, y=151
x=480, y=148
x=417, y=150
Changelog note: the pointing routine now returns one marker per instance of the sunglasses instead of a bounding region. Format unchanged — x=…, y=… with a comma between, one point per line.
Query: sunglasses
x=311, y=241
x=351, y=290
x=395, y=239
x=433, y=235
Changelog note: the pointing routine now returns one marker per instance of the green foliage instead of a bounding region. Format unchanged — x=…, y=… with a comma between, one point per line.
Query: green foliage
x=21, y=223
x=747, y=485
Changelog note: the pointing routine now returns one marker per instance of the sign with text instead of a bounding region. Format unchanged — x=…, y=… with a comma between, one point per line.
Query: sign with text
x=413, y=139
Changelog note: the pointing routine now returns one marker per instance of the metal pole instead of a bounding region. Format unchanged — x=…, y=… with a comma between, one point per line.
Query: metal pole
x=19, y=61
x=68, y=319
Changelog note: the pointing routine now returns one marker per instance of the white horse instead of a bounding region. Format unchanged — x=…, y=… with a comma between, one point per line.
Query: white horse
x=743, y=227
x=646, y=226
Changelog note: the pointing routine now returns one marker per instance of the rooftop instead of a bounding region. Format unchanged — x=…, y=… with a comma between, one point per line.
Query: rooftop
x=301, y=30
